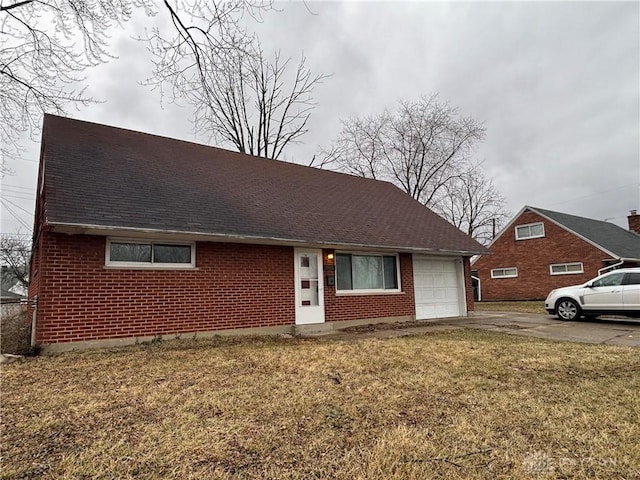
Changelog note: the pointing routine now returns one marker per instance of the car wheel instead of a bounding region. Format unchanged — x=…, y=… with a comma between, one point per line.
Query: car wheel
x=567, y=309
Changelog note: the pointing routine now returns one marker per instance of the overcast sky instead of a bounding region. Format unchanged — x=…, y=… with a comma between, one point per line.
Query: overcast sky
x=556, y=84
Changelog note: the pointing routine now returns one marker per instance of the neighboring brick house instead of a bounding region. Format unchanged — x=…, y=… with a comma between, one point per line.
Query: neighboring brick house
x=138, y=236
x=540, y=250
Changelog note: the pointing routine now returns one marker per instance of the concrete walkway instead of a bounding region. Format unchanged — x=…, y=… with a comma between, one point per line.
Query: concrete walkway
x=610, y=331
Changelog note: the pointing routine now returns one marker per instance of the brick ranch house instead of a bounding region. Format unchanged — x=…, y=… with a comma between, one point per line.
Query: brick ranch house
x=138, y=236
x=540, y=250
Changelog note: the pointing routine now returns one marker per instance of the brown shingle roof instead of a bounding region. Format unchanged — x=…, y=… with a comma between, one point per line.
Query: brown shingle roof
x=97, y=175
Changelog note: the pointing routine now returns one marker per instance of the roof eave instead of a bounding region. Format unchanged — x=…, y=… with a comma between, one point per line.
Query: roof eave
x=137, y=232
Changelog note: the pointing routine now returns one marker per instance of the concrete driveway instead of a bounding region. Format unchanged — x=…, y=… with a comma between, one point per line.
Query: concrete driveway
x=624, y=332
x=608, y=331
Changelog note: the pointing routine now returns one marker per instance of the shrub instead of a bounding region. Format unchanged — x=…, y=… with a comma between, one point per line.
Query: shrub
x=15, y=334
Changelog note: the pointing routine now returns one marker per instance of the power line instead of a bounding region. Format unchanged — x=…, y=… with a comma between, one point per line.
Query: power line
x=596, y=193
x=18, y=206
x=14, y=215
x=5, y=185
x=16, y=191
x=15, y=195
x=11, y=191
x=27, y=160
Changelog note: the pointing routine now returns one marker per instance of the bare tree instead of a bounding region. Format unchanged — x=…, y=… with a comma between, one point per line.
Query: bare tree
x=424, y=147
x=420, y=146
x=360, y=147
x=15, y=251
x=471, y=202
x=240, y=98
x=46, y=46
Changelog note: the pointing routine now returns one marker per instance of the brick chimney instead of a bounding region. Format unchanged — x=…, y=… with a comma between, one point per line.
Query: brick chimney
x=634, y=221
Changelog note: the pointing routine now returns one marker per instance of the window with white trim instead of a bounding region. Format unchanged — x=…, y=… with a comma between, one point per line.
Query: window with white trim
x=509, y=272
x=148, y=254
x=356, y=272
x=566, y=268
x=531, y=230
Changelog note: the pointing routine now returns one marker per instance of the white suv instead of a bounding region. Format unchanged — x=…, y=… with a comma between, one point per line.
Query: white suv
x=614, y=293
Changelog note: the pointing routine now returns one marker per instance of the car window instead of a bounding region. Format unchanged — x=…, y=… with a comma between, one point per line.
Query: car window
x=632, y=279
x=609, y=281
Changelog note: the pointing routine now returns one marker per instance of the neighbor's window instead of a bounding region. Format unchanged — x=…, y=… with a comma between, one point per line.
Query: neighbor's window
x=133, y=253
x=532, y=230
x=566, y=268
x=366, y=272
x=510, y=272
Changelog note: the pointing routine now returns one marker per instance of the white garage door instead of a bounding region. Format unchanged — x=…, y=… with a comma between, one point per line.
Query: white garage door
x=437, y=287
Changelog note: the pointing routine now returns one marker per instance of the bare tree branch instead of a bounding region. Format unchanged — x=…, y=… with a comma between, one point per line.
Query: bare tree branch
x=47, y=45
x=15, y=251
x=240, y=98
x=419, y=146
x=423, y=147
x=472, y=203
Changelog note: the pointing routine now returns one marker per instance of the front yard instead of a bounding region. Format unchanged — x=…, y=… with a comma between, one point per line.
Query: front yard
x=454, y=405
x=534, y=306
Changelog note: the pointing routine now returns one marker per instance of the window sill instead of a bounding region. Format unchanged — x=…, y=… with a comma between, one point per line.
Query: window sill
x=566, y=273
x=529, y=238
x=368, y=292
x=150, y=267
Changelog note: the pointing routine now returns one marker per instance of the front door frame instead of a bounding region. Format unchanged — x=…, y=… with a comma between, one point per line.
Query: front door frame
x=308, y=314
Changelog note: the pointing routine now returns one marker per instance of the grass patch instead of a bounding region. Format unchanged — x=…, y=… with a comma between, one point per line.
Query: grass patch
x=454, y=405
x=536, y=306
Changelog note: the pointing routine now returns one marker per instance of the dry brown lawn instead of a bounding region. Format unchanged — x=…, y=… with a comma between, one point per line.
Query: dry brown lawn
x=454, y=405
x=536, y=306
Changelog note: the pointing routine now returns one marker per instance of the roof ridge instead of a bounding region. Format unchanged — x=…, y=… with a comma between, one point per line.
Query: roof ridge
x=204, y=145
x=579, y=217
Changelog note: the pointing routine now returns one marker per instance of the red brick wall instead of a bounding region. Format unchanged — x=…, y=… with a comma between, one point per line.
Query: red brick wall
x=634, y=222
x=235, y=286
x=533, y=258
x=468, y=285
x=354, y=307
x=34, y=275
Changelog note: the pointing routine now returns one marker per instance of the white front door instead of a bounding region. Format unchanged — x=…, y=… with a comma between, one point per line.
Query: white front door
x=309, y=287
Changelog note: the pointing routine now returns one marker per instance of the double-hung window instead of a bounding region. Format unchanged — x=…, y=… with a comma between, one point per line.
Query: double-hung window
x=510, y=272
x=566, y=268
x=145, y=254
x=531, y=230
x=357, y=272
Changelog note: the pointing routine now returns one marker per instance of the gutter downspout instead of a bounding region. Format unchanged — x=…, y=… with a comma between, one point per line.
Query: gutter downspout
x=34, y=302
x=611, y=267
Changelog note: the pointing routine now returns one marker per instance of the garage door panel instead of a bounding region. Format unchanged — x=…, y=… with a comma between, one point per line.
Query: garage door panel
x=426, y=312
x=426, y=281
x=427, y=294
x=436, y=287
